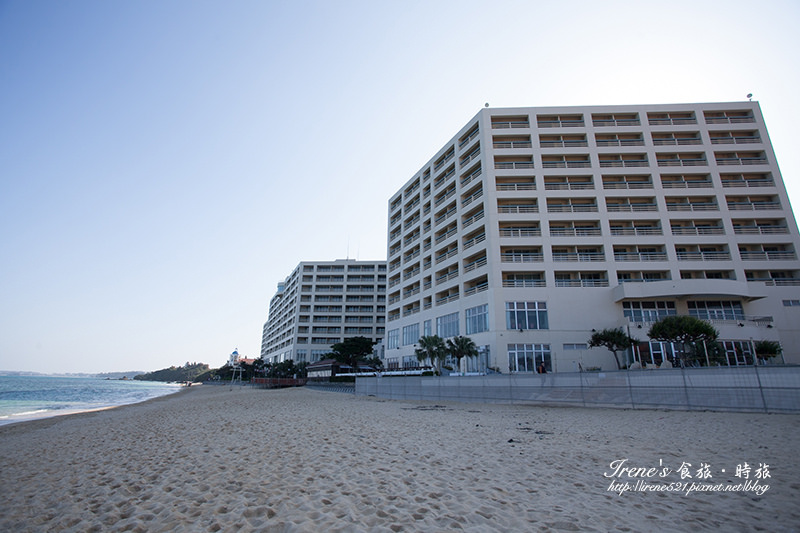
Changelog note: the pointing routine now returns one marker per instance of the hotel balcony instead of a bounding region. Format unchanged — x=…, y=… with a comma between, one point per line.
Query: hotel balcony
x=735, y=137
x=471, y=174
x=476, y=261
x=523, y=279
x=703, y=253
x=578, y=254
x=517, y=183
x=470, y=196
x=445, y=158
x=639, y=253
x=563, y=141
x=476, y=285
x=473, y=154
x=759, y=179
x=513, y=162
x=697, y=227
x=638, y=227
x=740, y=158
x=575, y=229
x=571, y=205
x=729, y=117
x=618, y=139
x=643, y=181
x=672, y=118
x=708, y=274
x=760, y=227
x=615, y=119
x=623, y=160
x=692, y=203
x=568, y=183
x=753, y=203
x=510, y=122
x=631, y=205
x=686, y=181
x=581, y=279
x=472, y=217
x=642, y=276
x=508, y=142
x=465, y=139
x=531, y=254
x=476, y=237
x=566, y=161
x=759, y=252
x=697, y=159
x=517, y=206
x=560, y=121
x=677, y=138
x=774, y=278
x=518, y=230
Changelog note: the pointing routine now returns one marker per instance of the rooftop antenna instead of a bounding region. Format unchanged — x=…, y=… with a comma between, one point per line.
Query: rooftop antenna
x=750, y=96
x=486, y=104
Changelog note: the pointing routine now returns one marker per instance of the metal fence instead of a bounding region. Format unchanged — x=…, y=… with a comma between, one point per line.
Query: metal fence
x=772, y=389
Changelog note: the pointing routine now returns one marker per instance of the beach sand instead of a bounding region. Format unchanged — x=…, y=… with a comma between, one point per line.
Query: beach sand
x=213, y=458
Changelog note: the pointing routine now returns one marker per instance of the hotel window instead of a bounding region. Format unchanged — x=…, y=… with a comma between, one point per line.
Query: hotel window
x=477, y=319
x=648, y=311
x=410, y=334
x=426, y=328
x=791, y=303
x=576, y=346
x=526, y=315
x=526, y=357
x=393, y=339
x=716, y=310
x=447, y=325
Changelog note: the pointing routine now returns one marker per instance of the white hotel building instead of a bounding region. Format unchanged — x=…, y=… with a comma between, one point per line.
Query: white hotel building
x=533, y=227
x=321, y=303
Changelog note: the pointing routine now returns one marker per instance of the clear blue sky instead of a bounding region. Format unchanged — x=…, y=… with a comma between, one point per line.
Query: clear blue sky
x=164, y=164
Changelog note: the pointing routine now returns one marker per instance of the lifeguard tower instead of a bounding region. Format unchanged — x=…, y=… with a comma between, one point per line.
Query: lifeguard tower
x=233, y=362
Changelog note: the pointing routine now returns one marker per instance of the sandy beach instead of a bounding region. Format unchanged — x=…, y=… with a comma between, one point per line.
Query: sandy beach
x=216, y=459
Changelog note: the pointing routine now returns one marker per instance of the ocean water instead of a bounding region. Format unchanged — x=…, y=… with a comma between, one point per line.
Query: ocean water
x=28, y=397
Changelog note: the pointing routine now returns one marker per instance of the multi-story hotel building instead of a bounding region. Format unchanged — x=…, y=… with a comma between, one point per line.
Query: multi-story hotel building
x=533, y=227
x=319, y=304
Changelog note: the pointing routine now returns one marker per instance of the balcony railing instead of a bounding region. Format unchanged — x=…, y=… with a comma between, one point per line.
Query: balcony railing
x=523, y=283
x=741, y=161
x=729, y=120
x=611, y=163
x=579, y=256
x=468, y=200
x=692, y=184
x=698, y=230
x=561, y=123
x=616, y=122
x=511, y=144
x=572, y=208
x=677, y=142
x=569, y=186
x=511, y=124
x=753, y=206
x=575, y=232
x=698, y=206
x=636, y=231
x=476, y=240
x=522, y=257
x=668, y=121
x=760, y=230
x=475, y=264
x=527, y=186
x=522, y=208
x=507, y=165
x=520, y=232
x=476, y=289
x=704, y=256
x=471, y=220
x=682, y=162
x=566, y=164
x=749, y=183
x=640, y=256
x=581, y=282
x=620, y=142
x=472, y=175
x=735, y=140
x=631, y=208
x=760, y=255
x=563, y=144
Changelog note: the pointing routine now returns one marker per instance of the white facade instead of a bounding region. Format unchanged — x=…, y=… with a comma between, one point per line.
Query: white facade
x=532, y=227
x=320, y=304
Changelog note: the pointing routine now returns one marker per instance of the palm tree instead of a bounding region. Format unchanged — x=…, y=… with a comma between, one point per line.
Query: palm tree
x=431, y=348
x=460, y=347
